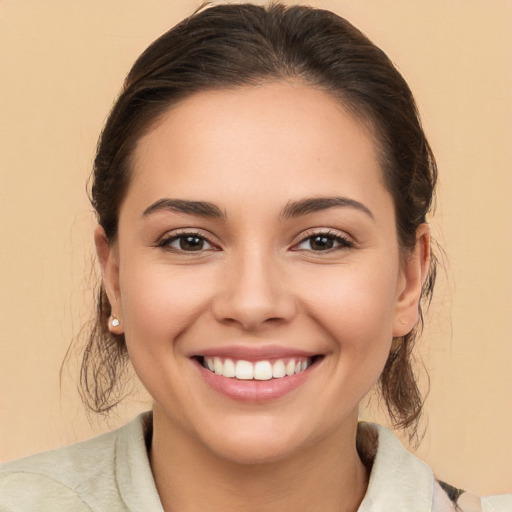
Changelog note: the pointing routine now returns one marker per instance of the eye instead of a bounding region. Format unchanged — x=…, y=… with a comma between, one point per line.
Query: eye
x=324, y=242
x=186, y=242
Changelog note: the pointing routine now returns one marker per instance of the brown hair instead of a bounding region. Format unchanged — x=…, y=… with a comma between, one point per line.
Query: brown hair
x=229, y=46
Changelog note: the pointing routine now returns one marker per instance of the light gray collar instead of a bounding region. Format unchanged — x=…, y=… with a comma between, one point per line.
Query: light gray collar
x=399, y=481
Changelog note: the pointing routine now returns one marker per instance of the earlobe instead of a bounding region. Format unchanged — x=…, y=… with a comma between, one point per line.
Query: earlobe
x=413, y=275
x=107, y=257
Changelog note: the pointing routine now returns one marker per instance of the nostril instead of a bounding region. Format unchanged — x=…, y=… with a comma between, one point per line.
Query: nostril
x=253, y=301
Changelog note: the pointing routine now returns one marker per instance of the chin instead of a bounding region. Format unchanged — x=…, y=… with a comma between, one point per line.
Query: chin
x=248, y=452
x=253, y=445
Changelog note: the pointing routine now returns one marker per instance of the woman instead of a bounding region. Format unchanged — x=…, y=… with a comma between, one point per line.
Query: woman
x=261, y=187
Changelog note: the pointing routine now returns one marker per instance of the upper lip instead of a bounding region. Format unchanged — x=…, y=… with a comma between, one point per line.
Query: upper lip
x=254, y=352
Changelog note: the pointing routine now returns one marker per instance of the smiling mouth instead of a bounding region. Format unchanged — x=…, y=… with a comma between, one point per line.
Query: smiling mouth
x=241, y=369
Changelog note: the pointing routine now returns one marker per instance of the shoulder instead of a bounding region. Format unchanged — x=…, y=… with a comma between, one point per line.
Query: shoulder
x=76, y=477
x=405, y=483
x=59, y=479
x=447, y=497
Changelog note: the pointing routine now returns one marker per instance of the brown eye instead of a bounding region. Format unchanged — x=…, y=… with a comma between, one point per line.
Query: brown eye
x=324, y=242
x=191, y=243
x=321, y=243
x=186, y=243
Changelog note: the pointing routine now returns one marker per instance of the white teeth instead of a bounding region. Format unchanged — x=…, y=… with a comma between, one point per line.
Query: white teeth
x=263, y=370
x=260, y=370
x=278, y=369
x=244, y=370
x=229, y=368
x=217, y=365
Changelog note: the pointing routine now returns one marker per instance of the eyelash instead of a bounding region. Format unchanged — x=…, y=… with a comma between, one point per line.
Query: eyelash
x=343, y=241
x=165, y=242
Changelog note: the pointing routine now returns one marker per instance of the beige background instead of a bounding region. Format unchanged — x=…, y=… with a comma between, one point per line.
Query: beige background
x=61, y=66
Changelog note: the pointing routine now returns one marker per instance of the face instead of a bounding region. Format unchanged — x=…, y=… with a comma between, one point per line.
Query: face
x=257, y=273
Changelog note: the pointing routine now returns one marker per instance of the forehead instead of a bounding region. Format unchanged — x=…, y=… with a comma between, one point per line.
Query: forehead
x=277, y=137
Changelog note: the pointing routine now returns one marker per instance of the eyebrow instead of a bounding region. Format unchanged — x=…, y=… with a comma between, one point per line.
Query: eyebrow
x=317, y=204
x=292, y=209
x=200, y=208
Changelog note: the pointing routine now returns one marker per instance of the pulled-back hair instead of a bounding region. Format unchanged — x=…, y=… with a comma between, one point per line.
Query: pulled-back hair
x=231, y=46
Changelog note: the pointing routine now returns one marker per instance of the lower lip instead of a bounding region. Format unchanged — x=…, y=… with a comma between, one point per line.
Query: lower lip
x=255, y=390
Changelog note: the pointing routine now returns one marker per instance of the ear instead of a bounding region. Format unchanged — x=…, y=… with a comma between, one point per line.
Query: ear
x=412, y=276
x=108, y=259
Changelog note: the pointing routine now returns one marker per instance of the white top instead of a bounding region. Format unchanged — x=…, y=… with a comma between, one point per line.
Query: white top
x=111, y=473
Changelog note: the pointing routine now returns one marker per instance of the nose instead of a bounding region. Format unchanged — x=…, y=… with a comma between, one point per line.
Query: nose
x=253, y=293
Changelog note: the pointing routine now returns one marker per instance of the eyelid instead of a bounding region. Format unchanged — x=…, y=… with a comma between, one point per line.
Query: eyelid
x=172, y=235
x=344, y=239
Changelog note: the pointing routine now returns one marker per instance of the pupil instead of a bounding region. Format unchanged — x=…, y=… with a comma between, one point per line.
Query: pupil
x=191, y=243
x=321, y=243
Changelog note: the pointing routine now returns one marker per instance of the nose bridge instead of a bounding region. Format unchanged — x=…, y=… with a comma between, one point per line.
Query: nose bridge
x=253, y=290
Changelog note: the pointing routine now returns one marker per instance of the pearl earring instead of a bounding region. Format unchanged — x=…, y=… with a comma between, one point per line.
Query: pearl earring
x=114, y=322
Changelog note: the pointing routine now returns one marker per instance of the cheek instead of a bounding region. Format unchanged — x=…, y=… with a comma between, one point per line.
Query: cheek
x=356, y=311
x=159, y=302
x=357, y=305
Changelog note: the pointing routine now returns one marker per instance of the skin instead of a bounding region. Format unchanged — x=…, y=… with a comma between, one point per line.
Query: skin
x=259, y=281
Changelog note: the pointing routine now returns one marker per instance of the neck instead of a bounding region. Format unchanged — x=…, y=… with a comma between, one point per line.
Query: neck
x=325, y=476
